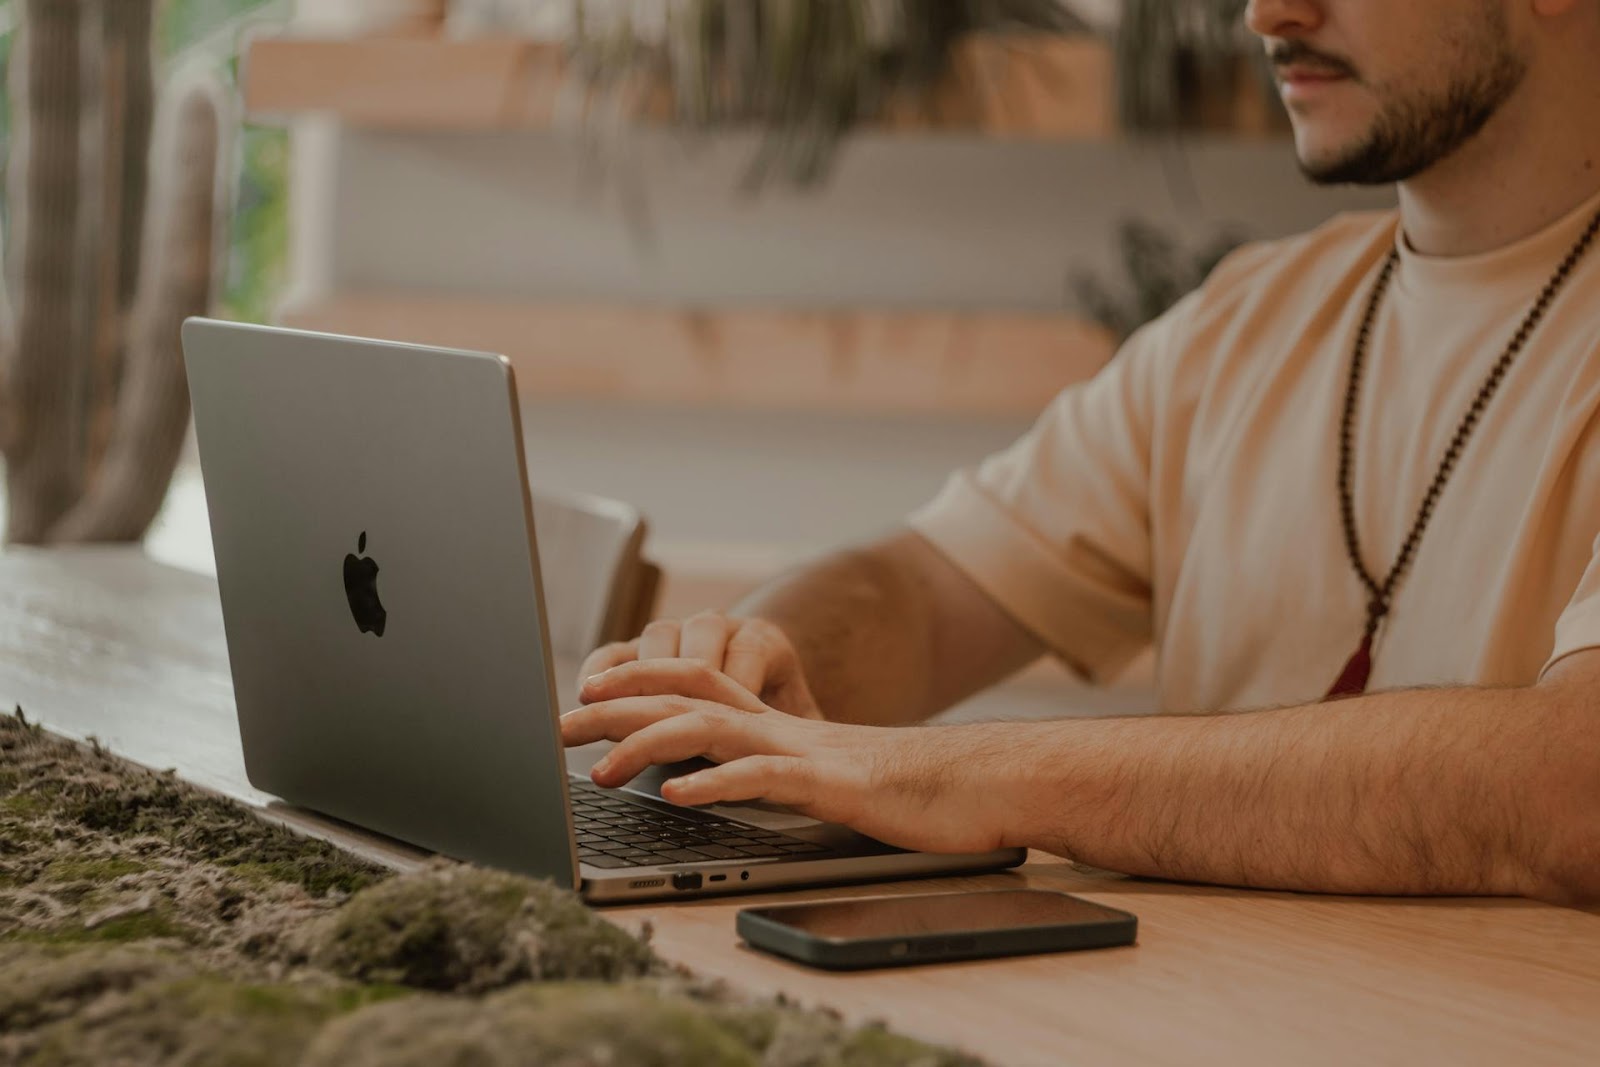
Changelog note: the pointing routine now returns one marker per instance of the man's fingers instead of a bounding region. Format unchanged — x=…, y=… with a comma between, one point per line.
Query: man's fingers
x=715, y=733
x=660, y=639
x=607, y=656
x=613, y=720
x=755, y=651
x=787, y=780
x=669, y=677
x=705, y=637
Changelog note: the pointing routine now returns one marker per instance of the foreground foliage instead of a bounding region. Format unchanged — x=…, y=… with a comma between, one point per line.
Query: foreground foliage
x=145, y=922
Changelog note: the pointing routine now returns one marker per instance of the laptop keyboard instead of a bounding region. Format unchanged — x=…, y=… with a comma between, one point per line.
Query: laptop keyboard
x=614, y=831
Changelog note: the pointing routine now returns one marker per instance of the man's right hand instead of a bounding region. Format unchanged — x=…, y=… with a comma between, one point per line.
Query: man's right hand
x=753, y=652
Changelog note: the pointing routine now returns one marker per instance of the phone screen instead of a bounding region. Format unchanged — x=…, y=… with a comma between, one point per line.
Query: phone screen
x=943, y=913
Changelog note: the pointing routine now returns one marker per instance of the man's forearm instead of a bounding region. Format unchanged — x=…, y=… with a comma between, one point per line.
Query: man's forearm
x=861, y=633
x=1422, y=791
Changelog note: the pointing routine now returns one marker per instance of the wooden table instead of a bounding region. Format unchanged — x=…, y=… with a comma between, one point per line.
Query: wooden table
x=104, y=642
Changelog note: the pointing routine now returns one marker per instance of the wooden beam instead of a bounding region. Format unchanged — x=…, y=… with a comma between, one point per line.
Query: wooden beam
x=1018, y=85
x=997, y=364
x=419, y=83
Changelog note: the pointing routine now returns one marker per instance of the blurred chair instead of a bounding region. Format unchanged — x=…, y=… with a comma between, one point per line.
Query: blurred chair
x=597, y=586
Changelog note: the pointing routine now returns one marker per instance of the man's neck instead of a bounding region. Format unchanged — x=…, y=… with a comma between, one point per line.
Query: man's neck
x=1536, y=160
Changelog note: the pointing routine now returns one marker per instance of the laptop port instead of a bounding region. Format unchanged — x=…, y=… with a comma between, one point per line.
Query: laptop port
x=687, y=880
x=717, y=878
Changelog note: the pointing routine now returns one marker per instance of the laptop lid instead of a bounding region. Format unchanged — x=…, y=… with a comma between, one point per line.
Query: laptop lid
x=380, y=588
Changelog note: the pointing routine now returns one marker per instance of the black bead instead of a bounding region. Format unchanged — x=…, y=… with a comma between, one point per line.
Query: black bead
x=1381, y=592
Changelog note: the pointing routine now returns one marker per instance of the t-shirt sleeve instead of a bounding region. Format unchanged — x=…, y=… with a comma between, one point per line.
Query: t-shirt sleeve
x=1578, y=627
x=1056, y=528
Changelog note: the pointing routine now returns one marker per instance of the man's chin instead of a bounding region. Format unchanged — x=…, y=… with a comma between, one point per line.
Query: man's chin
x=1348, y=163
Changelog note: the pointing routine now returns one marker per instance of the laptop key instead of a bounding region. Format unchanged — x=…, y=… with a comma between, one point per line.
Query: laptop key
x=681, y=855
x=762, y=848
x=802, y=846
x=607, y=862
x=640, y=859
x=720, y=852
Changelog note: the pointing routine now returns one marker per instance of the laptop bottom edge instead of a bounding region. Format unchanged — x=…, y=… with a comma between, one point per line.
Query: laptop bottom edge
x=641, y=884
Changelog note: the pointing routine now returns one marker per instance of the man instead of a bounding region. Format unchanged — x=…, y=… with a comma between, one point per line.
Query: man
x=1363, y=463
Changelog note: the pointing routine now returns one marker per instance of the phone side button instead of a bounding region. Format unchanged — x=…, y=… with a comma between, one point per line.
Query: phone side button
x=900, y=949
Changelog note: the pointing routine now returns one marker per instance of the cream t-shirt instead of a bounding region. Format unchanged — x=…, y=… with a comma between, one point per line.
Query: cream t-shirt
x=1187, y=495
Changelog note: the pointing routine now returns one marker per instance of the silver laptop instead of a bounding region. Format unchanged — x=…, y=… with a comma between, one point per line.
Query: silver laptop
x=380, y=590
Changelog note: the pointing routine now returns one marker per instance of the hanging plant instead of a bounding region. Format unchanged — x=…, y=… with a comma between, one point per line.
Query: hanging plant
x=1174, y=58
x=803, y=72
x=1159, y=272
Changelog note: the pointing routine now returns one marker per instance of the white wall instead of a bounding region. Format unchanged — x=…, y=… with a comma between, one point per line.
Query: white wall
x=904, y=222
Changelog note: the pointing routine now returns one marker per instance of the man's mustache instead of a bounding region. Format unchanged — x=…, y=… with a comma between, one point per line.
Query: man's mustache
x=1299, y=54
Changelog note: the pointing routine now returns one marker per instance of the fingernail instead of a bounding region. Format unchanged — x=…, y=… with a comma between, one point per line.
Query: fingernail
x=594, y=679
x=602, y=766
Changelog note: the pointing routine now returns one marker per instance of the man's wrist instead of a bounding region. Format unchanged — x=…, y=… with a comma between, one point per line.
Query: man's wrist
x=1064, y=775
x=1029, y=785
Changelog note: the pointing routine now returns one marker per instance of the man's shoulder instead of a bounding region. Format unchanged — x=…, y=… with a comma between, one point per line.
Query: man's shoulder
x=1350, y=241
x=1258, y=299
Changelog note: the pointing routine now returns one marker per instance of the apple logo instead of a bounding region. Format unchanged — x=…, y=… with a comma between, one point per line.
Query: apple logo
x=361, y=588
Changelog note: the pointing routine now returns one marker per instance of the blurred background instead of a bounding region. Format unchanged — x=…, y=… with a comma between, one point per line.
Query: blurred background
x=768, y=269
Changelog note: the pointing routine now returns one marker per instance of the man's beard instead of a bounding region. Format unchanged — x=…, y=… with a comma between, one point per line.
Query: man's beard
x=1410, y=135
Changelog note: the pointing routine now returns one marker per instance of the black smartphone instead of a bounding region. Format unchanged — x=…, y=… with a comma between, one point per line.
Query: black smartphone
x=893, y=931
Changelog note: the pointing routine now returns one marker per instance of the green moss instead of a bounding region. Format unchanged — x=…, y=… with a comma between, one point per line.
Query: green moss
x=156, y=924
x=463, y=929
x=639, y=1024
x=789, y=1038
x=318, y=874
x=212, y=1020
x=875, y=1046
x=24, y=805
x=348, y=998
x=97, y=870
x=60, y=788
x=39, y=984
x=569, y=1023
x=144, y=923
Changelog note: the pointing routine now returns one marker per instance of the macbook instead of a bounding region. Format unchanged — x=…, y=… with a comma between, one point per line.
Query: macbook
x=377, y=563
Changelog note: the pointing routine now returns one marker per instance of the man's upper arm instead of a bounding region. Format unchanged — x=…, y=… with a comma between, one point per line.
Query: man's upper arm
x=1056, y=529
x=972, y=642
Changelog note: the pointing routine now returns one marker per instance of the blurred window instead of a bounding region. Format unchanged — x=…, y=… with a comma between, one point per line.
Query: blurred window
x=208, y=32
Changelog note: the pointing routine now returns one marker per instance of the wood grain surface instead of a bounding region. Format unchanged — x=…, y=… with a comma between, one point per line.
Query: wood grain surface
x=106, y=643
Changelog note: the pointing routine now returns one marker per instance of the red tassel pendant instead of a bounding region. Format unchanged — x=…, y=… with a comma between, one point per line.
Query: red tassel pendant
x=1353, y=679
